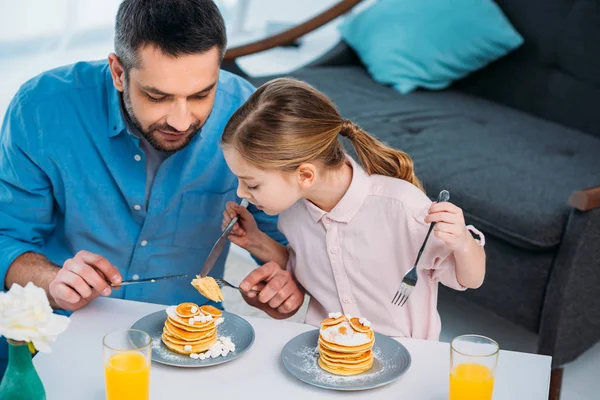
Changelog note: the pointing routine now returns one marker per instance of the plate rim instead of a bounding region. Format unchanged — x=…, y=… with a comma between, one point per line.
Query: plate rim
x=349, y=389
x=219, y=362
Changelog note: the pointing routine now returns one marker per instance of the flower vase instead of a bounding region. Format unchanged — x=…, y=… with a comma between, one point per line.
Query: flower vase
x=21, y=381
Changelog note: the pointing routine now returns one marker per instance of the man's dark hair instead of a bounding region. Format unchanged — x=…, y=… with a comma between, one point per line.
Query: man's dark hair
x=176, y=27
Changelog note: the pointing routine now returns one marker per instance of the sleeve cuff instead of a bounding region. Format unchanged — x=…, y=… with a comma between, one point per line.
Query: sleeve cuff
x=481, y=240
x=11, y=249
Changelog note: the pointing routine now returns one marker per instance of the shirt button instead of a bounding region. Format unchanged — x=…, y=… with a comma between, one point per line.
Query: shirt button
x=347, y=300
x=137, y=207
x=137, y=157
x=144, y=243
x=135, y=277
x=333, y=250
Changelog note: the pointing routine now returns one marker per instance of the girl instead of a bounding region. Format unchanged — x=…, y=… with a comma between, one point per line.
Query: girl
x=354, y=230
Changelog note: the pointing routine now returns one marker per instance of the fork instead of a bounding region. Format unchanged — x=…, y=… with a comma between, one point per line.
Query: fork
x=410, y=279
x=223, y=282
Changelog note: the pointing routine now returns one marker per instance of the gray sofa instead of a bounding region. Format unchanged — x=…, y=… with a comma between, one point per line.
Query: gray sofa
x=512, y=142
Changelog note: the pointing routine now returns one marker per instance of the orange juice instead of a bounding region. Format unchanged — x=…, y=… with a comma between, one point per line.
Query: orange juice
x=471, y=381
x=127, y=376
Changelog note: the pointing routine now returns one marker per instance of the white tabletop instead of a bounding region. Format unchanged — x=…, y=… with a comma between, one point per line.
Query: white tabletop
x=74, y=369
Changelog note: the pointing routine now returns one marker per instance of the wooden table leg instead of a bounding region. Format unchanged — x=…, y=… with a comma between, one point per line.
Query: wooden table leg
x=555, y=384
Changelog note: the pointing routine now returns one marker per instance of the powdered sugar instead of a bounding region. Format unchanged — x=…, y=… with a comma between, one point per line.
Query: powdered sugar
x=344, y=335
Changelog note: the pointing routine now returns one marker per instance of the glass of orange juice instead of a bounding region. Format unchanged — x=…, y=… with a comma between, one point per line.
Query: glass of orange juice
x=127, y=358
x=473, y=361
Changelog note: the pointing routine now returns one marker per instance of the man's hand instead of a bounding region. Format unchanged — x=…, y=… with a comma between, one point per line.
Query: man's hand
x=82, y=279
x=279, y=296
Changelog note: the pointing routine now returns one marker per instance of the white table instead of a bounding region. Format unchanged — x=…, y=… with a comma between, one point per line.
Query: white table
x=74, y=369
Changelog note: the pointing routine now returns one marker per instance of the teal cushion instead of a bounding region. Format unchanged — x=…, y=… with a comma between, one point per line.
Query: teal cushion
x=428, y=43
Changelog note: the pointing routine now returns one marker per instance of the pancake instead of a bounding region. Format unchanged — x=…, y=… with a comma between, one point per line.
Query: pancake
x=345, y=345
x=345, y=349
x=347, y=360
x=185, y=335
x=358, y=324
x=196, y=327
x=208, y=288
x=212, y=311
x=345, y=370
x=177, y=348
x=177, y=340
x=187, y=310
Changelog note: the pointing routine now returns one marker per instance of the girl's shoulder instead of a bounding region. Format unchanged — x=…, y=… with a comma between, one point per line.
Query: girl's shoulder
x=400, y=193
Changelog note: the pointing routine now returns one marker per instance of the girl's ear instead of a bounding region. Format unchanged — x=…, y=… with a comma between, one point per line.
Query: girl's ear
x=306, y=175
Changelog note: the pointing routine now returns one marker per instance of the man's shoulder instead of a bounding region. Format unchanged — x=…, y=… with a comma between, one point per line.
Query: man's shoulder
x=234, y=86
x=64, y=82
x=47, y=104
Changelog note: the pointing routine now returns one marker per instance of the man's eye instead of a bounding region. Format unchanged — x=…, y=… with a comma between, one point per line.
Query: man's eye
x=201, y=96
x=155, y=99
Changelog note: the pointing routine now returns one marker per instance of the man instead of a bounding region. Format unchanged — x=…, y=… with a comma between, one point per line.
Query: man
x=113, y=171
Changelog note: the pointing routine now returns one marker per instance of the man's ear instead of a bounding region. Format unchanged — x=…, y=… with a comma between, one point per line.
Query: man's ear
x=117, y=72
x=306, y=175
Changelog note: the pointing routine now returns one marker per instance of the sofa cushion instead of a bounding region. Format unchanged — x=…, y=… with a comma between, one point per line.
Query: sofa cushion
x=428, y=43
x=510, y=172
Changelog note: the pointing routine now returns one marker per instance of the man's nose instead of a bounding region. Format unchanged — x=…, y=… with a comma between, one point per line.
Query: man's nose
x=180, y=116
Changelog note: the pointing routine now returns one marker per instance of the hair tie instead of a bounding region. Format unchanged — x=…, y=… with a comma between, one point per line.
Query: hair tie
x=347, y=129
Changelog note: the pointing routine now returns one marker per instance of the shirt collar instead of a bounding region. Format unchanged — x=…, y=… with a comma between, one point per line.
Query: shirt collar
x=352, y=200
x=115, y=116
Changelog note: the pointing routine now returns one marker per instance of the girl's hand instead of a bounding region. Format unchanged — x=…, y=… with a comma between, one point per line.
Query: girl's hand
x=450, y=225
x=245, y=232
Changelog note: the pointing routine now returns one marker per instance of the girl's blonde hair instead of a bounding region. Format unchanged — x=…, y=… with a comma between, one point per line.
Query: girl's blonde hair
x=286, y=123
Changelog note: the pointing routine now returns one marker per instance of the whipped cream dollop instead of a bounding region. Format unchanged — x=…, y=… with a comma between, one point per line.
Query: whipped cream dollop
x=365, y=322
x=343, y=335
x=335, y=314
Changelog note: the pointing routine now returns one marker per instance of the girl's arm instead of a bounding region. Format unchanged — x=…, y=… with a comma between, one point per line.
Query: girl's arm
x=266, y=249
x=470, y=263
x=247, y=235
x=468, y=254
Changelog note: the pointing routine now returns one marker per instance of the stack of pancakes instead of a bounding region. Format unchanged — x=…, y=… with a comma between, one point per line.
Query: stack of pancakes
x=190, y=328
x=345, y=345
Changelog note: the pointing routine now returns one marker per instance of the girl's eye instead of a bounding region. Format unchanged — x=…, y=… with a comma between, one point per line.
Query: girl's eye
x=154, y=99
x=252, y=187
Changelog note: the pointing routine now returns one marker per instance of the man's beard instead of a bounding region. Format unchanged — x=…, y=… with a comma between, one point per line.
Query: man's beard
x=150, y=133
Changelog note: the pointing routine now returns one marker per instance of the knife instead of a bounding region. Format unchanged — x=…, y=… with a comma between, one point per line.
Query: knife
x=215, y=252
x=147, y=280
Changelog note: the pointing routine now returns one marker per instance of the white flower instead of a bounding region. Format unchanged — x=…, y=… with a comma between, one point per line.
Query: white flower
x=26, y=315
